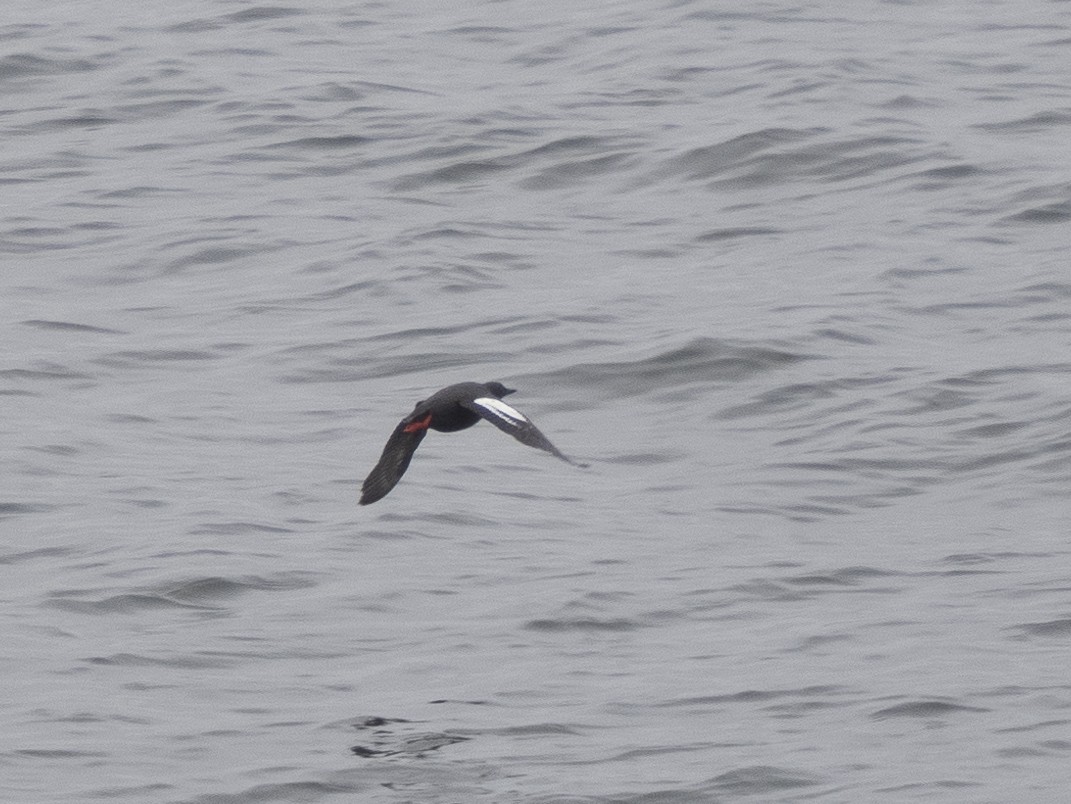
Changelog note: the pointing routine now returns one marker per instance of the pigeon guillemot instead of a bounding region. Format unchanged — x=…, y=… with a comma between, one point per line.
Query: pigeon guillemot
x=449, y=410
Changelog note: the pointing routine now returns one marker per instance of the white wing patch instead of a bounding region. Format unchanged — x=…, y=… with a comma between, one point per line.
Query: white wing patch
x=500, y=410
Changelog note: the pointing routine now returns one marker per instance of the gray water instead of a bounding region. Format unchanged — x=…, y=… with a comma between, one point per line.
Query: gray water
x=792, y=278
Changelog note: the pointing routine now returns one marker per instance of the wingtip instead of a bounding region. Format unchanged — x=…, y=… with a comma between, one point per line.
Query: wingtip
x=371, y=494
x=369, y=497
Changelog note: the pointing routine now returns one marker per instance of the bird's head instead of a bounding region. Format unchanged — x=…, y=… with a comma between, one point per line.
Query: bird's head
x=499, y=390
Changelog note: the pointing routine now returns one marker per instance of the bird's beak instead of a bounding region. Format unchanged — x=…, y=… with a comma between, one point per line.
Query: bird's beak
x=509, y=391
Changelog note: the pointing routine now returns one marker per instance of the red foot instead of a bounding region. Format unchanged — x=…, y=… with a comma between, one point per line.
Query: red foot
x=422, y=424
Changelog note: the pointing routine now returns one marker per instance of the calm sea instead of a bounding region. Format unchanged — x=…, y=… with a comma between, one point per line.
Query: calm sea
x=793, y=278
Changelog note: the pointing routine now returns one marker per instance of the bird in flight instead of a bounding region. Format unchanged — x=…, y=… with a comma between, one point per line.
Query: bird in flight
x=454, y=408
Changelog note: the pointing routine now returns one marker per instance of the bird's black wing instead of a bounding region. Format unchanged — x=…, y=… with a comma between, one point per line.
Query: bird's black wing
x=510, y=420
x=394, y=460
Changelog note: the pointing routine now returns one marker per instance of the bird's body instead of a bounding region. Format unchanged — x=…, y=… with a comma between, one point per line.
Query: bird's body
x=454, y=408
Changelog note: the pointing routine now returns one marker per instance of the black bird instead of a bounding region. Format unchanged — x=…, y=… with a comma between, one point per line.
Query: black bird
x=449, y=410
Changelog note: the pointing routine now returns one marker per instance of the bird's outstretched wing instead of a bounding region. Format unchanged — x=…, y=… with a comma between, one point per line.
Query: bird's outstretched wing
x=510, y=420
x=394, y=460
